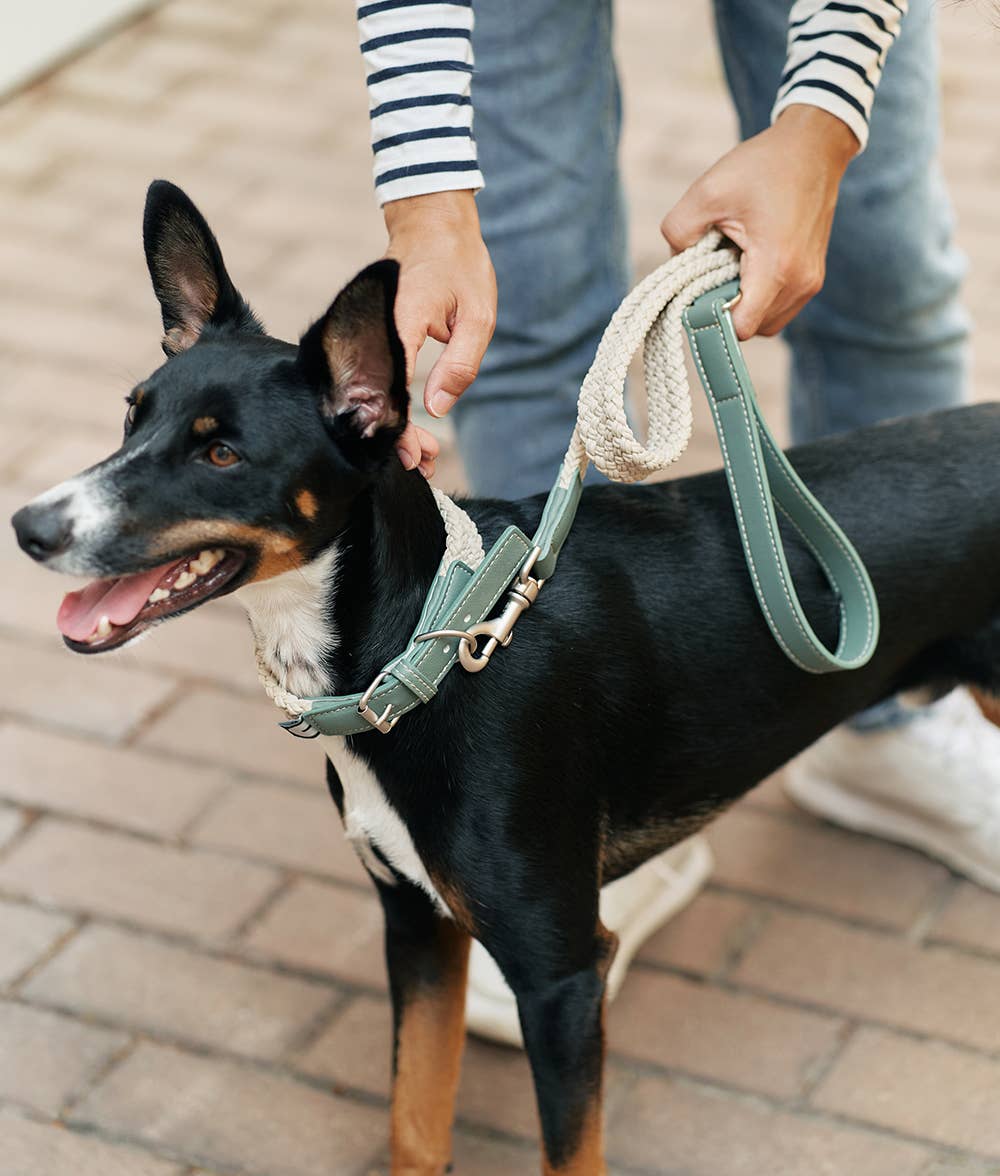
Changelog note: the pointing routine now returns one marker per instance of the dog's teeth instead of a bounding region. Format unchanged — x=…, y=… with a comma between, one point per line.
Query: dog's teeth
x=206, y=561
x=184, y=580
x=104, y=627
x=158, y=594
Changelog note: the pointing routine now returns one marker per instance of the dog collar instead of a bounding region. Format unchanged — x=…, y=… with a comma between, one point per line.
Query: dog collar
x=453, y=622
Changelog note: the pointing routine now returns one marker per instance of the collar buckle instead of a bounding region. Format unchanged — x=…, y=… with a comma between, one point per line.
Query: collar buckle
x=381, y=722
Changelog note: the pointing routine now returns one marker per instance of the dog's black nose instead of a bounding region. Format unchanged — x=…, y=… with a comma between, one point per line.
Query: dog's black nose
x=42, y=531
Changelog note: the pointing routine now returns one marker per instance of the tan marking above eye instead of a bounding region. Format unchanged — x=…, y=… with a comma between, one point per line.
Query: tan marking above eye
x=307, y=505
x=204, y=425
x=138, y=396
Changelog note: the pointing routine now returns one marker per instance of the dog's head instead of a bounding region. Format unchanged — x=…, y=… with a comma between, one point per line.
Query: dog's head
x=241, y=454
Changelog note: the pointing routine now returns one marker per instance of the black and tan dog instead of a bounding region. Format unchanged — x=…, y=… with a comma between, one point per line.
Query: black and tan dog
x=642, y=694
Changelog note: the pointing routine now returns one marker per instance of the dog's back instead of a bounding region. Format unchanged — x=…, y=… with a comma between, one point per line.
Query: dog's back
x=650, y=632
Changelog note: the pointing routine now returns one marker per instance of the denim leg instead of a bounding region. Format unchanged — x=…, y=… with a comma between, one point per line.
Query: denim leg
x=548, y=115
x=887, y=335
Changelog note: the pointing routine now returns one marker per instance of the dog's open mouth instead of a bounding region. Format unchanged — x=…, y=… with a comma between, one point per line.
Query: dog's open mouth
x=107, y=613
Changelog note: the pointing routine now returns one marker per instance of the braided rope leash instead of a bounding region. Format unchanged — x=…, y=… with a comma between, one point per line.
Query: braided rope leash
x=650, y=317
x=692, y=294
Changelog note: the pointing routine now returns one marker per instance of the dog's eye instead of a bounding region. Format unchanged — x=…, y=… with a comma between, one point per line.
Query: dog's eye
x=130, y=415
x=219, y=454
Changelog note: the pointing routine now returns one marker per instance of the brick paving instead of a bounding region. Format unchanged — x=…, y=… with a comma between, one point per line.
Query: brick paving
x=190, y=974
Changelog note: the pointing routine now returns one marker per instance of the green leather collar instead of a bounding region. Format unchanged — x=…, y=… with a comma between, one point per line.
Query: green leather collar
x=451, y=626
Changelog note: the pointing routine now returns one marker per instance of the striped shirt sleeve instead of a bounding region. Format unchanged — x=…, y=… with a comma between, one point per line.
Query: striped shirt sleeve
x=836, y=51
x=418, y=61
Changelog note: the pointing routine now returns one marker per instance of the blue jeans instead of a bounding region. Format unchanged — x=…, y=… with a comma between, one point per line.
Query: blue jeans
x=885, y=337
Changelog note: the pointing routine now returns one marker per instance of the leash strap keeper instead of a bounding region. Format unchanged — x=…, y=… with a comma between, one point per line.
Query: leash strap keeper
x=760, y=477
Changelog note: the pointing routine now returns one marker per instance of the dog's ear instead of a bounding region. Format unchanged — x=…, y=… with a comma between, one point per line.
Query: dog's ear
x=354, y=357
x=189, y=276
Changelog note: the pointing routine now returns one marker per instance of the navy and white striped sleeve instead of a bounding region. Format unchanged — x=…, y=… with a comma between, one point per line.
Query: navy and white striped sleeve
x=418, y=60
x=836, y=52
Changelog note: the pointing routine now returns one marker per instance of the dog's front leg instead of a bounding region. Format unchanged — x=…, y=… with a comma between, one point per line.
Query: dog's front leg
x=563, y=1027
x=428, y=957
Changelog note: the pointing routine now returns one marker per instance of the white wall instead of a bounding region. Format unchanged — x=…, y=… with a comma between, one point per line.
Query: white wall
x=36, y=34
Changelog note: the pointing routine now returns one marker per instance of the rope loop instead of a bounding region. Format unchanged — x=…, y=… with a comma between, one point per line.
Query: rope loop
x=649, y=317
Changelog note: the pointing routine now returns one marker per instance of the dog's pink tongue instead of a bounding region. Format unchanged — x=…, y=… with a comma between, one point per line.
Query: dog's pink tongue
x=119, y=600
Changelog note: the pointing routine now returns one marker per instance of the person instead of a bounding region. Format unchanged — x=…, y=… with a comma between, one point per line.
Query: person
x=834, y=196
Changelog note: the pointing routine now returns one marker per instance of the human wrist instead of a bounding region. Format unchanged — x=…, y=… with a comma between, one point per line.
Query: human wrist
x=821, y=132
x=454, y=211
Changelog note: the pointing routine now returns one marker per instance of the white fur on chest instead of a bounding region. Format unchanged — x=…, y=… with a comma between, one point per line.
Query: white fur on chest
x=294, y=633
x=370, y=820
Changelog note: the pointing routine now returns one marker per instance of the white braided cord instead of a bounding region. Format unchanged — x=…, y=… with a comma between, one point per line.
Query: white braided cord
x=650, y=316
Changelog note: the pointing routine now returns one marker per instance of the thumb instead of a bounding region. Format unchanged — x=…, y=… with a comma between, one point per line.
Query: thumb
x=688, y=221
x=412, y=336
x=456, y=366
x=760, y=286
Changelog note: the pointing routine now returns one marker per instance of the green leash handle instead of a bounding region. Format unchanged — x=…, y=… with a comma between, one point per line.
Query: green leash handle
x=760, y=477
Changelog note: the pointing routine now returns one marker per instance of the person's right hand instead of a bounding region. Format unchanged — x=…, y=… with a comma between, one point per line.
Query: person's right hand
x=447, y=291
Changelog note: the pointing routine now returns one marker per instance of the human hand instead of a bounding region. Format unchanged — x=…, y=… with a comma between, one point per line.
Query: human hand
x=774, y=196
x=447, y=291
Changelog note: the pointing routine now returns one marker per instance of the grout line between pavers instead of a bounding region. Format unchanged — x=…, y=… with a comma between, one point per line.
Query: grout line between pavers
x=720, y=1088
x=239, y=774
x=286, y=881
x=151, y=716
x=87, y=1129
x=29, y=819
x=751, y=927
x=91, y=1081
x=173, y=842
x=216, y=950
x=302, y=1041
x=790, y=906
x=937, y=900
x=54, y=949
x=816, y=1073
x=827, y=1012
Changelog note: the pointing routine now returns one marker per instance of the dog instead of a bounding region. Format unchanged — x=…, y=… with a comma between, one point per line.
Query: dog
x=641, y=696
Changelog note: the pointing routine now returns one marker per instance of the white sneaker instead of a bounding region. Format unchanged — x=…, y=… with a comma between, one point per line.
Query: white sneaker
x=634, y=907
x=933, y=784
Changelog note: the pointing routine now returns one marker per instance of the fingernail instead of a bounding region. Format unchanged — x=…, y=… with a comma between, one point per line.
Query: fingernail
x=441, y=403
x=406, y=459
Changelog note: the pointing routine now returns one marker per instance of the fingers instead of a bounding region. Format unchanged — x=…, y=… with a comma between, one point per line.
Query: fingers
x=773, y=292
x=413, y=335
x=429, y=450
x=689, y=219
x=457, y=365
x=408, y=447
x=418, y=449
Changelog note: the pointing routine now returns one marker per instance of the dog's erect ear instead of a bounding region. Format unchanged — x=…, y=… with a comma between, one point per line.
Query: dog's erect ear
x=189, y=276
x=354, y=356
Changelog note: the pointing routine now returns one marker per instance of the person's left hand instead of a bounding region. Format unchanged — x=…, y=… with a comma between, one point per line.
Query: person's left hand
x=774, y=196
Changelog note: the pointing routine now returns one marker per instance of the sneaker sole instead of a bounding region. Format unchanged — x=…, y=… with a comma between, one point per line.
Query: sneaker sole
x=841, y=807
x=496, y=1019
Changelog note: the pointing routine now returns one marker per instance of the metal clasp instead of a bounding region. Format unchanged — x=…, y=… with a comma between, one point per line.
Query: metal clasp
x=500, y=630
x=381, y=722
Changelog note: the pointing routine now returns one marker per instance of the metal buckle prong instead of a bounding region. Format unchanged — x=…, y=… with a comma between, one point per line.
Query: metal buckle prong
x=381, y=722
